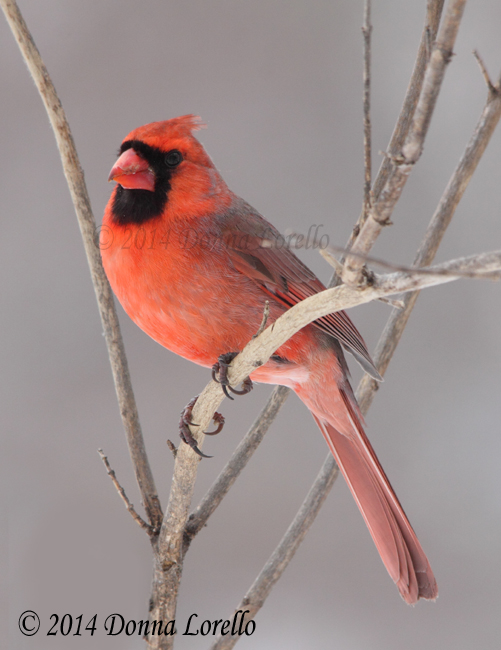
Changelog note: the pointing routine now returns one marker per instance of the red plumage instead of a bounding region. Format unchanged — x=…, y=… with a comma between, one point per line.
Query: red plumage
x=193, y=265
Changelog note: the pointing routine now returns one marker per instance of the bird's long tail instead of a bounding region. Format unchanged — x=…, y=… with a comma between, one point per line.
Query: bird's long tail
x=400, y=550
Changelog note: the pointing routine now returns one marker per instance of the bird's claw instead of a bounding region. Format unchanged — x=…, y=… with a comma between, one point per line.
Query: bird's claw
x=219, y=420
x=220, y=375
x=186, y=421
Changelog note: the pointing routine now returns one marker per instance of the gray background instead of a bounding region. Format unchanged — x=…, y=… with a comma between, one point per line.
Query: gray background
x=279, y=84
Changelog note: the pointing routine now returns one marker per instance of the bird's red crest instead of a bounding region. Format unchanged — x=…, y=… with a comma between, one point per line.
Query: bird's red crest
x=177, y=127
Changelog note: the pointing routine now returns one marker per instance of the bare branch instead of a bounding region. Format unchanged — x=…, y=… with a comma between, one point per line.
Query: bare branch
x=137, y=518
x=380, y=213
x=432, y=21
x=168, y=555
x=104, y=295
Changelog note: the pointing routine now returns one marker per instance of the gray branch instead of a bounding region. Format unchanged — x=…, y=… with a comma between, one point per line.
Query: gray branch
x=404, y=161
x=403, y=124
x=104, y=295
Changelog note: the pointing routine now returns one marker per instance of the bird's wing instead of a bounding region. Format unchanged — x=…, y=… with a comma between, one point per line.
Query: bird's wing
x=257, y=250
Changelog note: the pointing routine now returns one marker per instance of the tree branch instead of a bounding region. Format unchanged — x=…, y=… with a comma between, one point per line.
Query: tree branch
x=432, y=21
x=137, y=518
x=379, y=215
x=78, y=190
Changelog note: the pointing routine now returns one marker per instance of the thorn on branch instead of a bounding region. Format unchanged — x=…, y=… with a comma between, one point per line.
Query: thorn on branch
x=494, y=91
x=137, y=518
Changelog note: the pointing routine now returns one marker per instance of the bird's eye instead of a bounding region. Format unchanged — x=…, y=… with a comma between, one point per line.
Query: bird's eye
x=173, y=158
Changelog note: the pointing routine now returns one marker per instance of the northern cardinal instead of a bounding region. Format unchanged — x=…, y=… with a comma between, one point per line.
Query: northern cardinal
x=193, y=265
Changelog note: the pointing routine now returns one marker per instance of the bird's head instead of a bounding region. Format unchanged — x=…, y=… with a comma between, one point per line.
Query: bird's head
x=163, y=167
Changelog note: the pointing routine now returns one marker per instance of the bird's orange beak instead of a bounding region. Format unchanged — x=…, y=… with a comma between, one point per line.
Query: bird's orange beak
x=133, y=172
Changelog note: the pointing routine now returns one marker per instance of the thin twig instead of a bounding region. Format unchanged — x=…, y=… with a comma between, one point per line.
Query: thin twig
x=137, y=518
x=328, y=255
x=385, y=349
x=104, y=295
x=490, y=86
x=367, y=31
x=382, y=209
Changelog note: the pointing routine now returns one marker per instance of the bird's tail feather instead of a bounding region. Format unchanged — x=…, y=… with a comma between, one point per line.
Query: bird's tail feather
x=391, y=531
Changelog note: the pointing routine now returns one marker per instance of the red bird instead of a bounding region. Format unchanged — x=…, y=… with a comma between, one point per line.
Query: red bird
x=192, y=265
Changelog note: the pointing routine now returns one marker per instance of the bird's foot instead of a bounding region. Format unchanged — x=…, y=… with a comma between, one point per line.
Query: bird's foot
x=220, y=374
x=186, y=421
